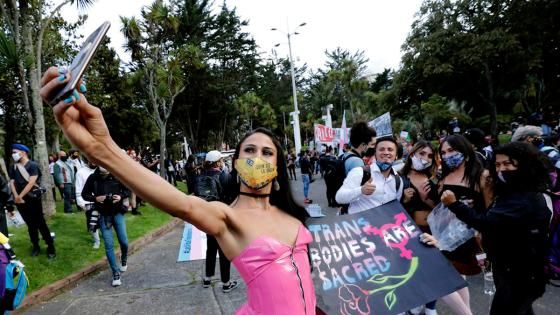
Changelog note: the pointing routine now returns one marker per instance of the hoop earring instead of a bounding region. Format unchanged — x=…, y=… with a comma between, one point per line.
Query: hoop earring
x=276, y=185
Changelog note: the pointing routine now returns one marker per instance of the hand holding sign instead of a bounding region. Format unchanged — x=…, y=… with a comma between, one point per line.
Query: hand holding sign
x=368, y=188
x=448, y=197
x=429, y=239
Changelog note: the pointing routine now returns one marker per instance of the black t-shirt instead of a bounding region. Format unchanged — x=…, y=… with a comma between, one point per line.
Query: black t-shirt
x=305, y=165
x=20, y=182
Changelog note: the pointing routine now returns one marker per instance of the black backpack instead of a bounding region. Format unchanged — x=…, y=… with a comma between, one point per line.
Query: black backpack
x=208, y=187
x=335, y=172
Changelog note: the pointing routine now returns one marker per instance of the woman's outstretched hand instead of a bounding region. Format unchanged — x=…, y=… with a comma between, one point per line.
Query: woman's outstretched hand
x=81, y=122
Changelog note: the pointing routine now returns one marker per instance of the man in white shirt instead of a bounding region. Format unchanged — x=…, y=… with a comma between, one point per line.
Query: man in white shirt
x=81, y=177
x=75, y=160
x=383, y=186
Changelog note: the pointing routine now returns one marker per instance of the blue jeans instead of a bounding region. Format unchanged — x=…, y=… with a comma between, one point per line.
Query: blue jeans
x=305, y=185
x=68, y=193
x=117, y=222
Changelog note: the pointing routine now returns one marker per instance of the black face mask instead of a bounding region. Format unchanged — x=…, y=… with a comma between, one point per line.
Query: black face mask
x=64, y=158
x=508, y=181
x=538, y=142
x=369, y=152
x=506, y=176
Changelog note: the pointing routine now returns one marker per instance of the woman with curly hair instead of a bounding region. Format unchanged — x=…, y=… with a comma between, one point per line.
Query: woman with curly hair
x=514, y=229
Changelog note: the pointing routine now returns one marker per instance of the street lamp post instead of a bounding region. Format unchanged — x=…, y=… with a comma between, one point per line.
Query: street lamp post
x=297, y=133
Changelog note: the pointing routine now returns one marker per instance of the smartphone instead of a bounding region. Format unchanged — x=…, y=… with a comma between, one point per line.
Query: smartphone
x=80, y=63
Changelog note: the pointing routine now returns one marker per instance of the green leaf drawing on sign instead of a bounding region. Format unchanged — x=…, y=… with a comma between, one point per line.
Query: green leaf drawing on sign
x=390, y=299
x=379, y=278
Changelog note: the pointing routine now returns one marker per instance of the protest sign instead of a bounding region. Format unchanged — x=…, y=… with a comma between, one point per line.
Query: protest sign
x=193, y=244
x=324, y=134
x=405, y=136
x=373, y=262
x=382, y=125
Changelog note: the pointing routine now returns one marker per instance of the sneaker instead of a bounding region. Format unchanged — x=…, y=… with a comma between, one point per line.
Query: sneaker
x=430, y=312
x=96, y=245
x=116, y=280
x=228, y=287
x=123, y=267
x=206, y=282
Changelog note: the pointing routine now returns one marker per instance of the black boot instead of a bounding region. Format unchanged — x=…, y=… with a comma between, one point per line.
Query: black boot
x=36, y=250
x=51, y=253
x=135, y=211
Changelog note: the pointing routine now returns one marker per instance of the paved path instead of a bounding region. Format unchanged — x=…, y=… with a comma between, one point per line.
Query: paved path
x=156, y=284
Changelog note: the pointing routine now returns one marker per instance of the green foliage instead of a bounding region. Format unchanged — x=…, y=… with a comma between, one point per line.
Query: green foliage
x=74, y=244
x=488, y=55
x=437, y=111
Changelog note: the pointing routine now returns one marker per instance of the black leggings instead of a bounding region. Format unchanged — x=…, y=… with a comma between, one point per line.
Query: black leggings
x=513, y=295
x=212, y=248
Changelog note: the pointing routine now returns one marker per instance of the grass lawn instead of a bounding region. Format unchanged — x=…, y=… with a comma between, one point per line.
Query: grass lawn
x=73, y=243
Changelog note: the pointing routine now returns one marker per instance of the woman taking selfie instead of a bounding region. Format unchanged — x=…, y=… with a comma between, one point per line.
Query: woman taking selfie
x=261, y=232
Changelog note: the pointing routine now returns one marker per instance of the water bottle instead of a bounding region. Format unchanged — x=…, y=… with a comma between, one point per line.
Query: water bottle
x=489, y=288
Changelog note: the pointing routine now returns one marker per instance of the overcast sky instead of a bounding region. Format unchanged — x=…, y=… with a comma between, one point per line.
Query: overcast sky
x=378, y=27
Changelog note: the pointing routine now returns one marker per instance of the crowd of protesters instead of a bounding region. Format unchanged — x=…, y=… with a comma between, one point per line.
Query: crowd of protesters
x=502, y=191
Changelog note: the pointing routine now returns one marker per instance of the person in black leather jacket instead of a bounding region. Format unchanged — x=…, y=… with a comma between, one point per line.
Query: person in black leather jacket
x=515, y=228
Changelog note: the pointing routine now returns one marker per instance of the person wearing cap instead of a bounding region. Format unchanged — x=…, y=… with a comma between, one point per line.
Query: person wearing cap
x=534, y=135
x=530, y=134
x=384, y=185
x=213, y=163
x=24, y=176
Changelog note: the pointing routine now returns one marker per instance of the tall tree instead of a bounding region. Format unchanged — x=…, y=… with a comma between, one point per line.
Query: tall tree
x=157, y=63
x=27, y=21
x=486, y=53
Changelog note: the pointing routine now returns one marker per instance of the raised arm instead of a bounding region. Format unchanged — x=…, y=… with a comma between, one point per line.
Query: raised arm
x=85, y=127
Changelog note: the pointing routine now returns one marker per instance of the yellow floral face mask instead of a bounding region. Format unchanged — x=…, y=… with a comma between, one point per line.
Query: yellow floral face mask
x=255, y=173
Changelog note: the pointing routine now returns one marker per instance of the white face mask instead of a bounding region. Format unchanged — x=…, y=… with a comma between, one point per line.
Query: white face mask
x=16, y=156
x=419, y=164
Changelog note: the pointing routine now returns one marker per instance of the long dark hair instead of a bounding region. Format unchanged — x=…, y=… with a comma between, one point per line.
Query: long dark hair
x=473, y=167
x=533, y=168
x=420, y=145
x=282, y=198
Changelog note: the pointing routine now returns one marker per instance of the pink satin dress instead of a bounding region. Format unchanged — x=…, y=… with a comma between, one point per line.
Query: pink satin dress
x=278, y=276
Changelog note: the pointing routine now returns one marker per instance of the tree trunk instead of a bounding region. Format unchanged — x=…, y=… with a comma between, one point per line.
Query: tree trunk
x=56, y=143
x=162, y=149
x=41, y=154
x=491, y=101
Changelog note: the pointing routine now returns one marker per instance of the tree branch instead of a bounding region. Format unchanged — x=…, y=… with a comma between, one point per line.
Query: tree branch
x=45, y=23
